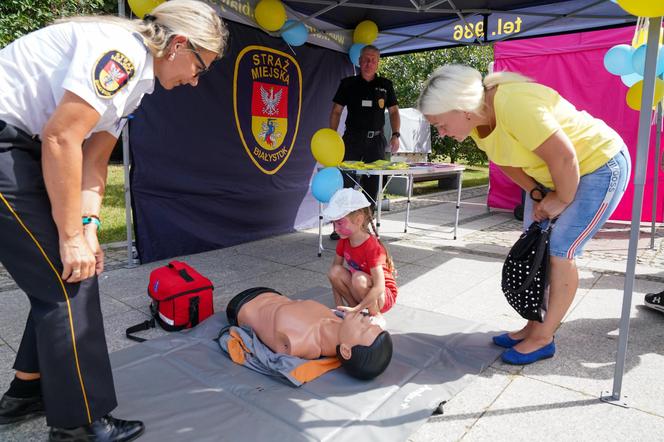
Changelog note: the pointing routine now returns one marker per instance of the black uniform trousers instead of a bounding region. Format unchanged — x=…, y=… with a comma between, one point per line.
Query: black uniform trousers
x=359, y=147
x=64, y=332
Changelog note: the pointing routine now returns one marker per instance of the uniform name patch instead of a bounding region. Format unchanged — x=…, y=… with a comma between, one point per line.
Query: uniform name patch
x=111, y=72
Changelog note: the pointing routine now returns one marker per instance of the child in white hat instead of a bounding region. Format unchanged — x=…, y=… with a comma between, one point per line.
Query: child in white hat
x=368, y=281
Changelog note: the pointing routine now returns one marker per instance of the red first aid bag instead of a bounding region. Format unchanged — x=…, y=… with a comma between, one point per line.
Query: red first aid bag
x=181, y=298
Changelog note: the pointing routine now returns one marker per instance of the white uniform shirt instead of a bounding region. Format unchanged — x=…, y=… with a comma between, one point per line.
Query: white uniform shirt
x=106, y=65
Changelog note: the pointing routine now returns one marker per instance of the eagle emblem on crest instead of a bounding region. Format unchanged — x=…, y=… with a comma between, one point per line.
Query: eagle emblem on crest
x=113, y=75
x=270, y=100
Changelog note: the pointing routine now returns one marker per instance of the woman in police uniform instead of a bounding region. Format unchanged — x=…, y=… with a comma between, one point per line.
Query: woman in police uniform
x=66, y=90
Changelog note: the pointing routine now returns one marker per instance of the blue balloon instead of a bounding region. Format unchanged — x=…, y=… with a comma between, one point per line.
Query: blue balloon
x=618, y=60
x=639, y=59
x=326, y=183
x=630, y=79
x=354, y=53
x=296, y=34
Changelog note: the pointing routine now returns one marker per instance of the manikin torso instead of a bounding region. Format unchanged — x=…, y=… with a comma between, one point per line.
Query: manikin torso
x=289, y=326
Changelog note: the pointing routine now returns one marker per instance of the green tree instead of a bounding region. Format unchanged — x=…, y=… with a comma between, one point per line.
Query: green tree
x=408, y=73
x=20, y=17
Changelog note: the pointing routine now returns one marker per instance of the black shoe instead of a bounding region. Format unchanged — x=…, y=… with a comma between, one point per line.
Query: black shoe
x=655, y=301
x=105, y=429
x=15, y=409
x=334, y=236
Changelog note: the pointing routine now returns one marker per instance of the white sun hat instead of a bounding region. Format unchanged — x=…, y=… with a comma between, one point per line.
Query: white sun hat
x=343, y=202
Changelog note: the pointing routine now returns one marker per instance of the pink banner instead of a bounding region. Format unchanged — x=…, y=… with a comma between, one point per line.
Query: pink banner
x=573, y=64
x=503, y=193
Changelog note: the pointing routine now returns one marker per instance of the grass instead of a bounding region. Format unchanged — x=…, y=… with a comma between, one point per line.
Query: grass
x=472, y=176
x=113, y=206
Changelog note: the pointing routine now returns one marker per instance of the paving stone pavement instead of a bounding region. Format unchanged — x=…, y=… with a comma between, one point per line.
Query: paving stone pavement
x=558, y=397
x=609, y=245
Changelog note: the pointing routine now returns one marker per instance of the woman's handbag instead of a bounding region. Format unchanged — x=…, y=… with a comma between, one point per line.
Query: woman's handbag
x=525, y=272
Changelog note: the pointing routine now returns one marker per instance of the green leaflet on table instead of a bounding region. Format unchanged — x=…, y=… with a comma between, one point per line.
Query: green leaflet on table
x=376, y=165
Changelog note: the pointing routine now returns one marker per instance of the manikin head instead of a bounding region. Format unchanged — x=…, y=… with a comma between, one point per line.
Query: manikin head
x=364, y=349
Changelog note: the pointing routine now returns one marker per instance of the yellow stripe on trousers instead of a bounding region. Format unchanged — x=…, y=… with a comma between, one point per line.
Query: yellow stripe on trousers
x=64, y=291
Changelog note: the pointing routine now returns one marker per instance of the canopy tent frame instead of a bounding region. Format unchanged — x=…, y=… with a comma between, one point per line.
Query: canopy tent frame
x=445, y=13
x=430, y=8
x=422, y=8
x=657, y=163
x=642, y=147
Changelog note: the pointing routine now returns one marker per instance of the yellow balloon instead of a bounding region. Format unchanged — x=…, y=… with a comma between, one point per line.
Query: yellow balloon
x=643, y=8
x=270, y=14
x=328, y=147
x=365, y=32
x=142, y=7
x=634, y=93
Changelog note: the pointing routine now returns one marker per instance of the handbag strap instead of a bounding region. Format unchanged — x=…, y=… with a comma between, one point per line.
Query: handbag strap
x=550, y=225
x=194, y=302
x=181, y=269
x=145, y=325
x=539, y=255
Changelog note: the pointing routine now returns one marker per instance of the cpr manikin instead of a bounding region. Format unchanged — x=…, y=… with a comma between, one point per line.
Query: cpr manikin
x=309, y=330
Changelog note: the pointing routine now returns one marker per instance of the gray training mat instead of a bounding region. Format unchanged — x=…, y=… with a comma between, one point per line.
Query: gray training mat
x=185, y=388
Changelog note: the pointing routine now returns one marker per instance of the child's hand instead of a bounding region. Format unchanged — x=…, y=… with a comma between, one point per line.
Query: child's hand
x=346, y=309
x=357, y=308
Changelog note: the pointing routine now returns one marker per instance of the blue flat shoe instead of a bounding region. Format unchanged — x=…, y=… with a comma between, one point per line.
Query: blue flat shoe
x=514, y=357
x=505, y=341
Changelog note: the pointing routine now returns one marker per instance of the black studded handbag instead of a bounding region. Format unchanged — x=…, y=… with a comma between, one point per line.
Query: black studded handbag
x=525, y=272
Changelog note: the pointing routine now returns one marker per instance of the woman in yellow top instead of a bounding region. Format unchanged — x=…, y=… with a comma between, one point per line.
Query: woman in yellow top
x=573, y=166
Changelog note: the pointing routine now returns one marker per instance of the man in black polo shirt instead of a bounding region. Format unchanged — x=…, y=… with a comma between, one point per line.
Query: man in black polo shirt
x=366, y=96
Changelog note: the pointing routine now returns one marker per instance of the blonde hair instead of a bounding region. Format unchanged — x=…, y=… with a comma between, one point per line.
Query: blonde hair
x=195, y=20
x=458, y=87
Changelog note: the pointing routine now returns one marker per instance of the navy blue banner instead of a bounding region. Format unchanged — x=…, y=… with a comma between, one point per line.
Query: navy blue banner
x=229, y=161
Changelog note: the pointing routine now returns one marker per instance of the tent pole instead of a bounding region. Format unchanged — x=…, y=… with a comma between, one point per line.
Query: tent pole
x=127, y=188
x=125, y=165
x=654, y=27
x=658, y=139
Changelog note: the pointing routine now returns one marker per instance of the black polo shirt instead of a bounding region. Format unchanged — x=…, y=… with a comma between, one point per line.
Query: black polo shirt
x=366, y=101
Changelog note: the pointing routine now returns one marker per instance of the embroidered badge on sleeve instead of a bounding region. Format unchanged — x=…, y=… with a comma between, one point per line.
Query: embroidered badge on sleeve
x=111, y=72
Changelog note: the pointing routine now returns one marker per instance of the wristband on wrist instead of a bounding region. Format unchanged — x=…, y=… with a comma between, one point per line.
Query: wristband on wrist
x=91, y=219
x=396, y=134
